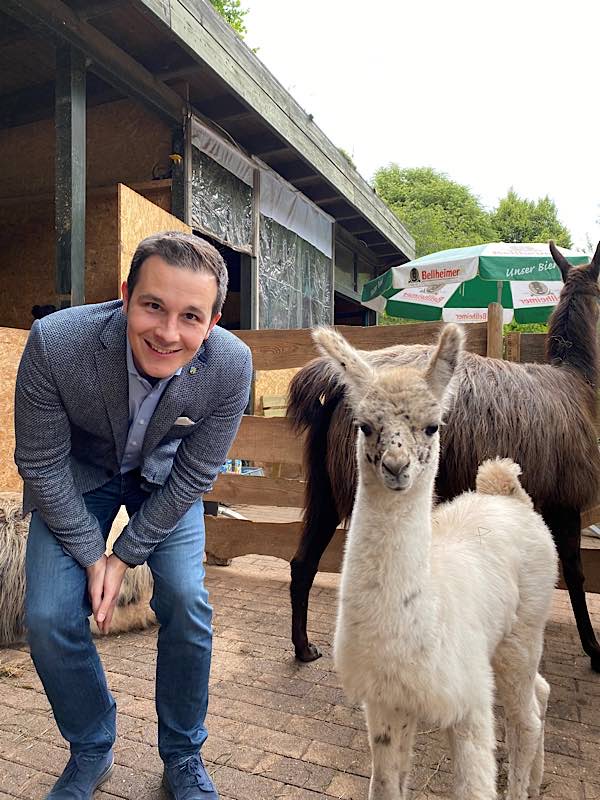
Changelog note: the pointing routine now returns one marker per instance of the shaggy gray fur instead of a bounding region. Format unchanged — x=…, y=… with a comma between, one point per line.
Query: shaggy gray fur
x=132, y=612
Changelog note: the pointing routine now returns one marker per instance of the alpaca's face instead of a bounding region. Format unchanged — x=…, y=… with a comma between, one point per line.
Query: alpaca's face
x=398, y=411
x=398, y=430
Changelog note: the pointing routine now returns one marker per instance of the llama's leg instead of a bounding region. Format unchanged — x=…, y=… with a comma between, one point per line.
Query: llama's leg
x=524, y=695
x=565, y=524
x=542, y=693
x=391, y=738
x=317, y=532
x=472, y=743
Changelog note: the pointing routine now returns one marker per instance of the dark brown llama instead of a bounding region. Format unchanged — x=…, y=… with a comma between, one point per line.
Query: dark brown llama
x=539, y=415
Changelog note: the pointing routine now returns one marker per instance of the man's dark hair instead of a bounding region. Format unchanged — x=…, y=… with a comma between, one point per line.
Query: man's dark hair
x=38, y=312
x=182, y=250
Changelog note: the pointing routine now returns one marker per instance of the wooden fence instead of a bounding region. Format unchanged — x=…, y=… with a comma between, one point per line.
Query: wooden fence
x=270, y=440
x=273, y=504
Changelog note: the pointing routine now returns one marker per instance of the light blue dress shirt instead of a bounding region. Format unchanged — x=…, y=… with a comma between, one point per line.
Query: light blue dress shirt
x=143, y=399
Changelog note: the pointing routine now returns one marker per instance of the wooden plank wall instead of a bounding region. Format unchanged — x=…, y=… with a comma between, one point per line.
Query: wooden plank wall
x=525, y=347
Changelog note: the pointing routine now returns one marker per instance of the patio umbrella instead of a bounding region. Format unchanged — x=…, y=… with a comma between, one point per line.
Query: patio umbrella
x=458, y=285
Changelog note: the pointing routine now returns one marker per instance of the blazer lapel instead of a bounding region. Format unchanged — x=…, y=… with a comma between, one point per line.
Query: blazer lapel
x=111, y=363
x=183, y=390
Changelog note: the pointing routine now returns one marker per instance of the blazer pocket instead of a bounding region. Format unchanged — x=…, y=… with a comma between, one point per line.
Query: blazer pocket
x=181, y=431
x=184, y=421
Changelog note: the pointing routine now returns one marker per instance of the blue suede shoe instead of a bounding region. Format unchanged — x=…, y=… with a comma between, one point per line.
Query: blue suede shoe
x=81, y=777
x=189, y=781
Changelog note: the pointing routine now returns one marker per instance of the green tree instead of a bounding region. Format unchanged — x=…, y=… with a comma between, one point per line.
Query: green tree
x=438, y=212
x=233, y=13
x=520, y=220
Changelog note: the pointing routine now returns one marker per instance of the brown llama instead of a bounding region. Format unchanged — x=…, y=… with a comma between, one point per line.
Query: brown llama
x=539, y=415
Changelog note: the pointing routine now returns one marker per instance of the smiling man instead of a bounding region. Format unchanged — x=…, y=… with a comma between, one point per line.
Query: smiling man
x=131, y=403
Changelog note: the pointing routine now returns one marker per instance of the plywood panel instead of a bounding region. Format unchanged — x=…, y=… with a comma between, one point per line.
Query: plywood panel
x=26, y=262
x=102, y=275
x=27, y=255
x=138, y=218
x=271, y=440
x=27, y=159
x=12, y=342
x=125, y=142
x=271, y=382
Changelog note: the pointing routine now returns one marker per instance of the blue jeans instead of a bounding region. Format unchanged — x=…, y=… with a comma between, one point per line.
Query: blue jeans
x=57, y=607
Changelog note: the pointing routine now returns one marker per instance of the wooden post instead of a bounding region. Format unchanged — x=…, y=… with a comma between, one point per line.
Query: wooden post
x=181, y=172
x=332, y=273
x=513, y=346
x=255, y=260
x=70, y=174
x=494, y=331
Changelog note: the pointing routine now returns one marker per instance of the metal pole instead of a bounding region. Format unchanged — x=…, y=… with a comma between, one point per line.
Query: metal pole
x=70, y=119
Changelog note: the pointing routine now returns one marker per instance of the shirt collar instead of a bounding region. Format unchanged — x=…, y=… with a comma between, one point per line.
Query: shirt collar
x=132, y=369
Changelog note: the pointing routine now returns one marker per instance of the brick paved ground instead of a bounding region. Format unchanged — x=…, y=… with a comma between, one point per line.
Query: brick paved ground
x=279, y=729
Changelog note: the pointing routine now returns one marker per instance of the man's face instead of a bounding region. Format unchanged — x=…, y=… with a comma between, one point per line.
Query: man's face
x=169, y=315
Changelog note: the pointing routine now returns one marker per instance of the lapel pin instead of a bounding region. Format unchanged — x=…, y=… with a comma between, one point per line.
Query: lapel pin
x=193, y=370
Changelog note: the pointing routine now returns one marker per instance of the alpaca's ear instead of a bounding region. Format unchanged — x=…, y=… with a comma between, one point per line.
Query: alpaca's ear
x=595, y=264
x=560, y=261
x=444, y=360
x=353, y=369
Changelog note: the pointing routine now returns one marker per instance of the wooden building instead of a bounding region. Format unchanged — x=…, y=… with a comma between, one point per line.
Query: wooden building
x=123, y=117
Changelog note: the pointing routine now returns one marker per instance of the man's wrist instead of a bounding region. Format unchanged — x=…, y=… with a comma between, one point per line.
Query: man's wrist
x=119, y=562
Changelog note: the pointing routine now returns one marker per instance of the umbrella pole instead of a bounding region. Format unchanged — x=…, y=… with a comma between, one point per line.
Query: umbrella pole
x=494, y=331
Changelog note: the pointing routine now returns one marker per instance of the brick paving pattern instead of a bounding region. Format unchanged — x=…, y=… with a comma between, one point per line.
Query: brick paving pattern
x=279, y=729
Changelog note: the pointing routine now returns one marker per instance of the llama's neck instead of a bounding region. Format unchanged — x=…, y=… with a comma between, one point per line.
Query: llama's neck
x=391, y=532
x=571, y=336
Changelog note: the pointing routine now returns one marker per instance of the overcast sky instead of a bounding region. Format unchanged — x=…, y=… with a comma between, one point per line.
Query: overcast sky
x=495, y=94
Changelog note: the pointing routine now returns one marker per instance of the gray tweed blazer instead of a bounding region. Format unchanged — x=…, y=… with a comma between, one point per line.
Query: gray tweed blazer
x=72, y=420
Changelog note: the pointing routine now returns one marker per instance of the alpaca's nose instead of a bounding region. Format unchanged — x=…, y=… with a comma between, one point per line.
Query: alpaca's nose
x=395, y=465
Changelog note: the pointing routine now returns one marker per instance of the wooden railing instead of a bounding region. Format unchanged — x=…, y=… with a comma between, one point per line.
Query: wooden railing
x=270, y=441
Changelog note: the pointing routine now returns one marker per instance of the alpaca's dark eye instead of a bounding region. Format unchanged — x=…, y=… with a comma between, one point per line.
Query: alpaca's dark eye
x=366, y=429
x=431, y=429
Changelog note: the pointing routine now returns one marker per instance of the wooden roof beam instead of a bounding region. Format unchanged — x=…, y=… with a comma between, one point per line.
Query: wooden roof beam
x=307, y=180
x=296, y=169
x=179, y=72
x=348, y=217
x=223, y=108
x=387, y=247
x=373, y=237
x=360, y=232
x=37, y=102
x=357, y=226
x=104, y=57
x=274, y=153
x=323, y=196
x=98, y=9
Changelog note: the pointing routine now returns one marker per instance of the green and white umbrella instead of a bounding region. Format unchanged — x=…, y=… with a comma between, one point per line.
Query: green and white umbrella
x=458, y=285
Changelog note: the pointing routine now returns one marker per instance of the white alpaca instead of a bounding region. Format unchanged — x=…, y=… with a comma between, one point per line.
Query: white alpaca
x=434, y=604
